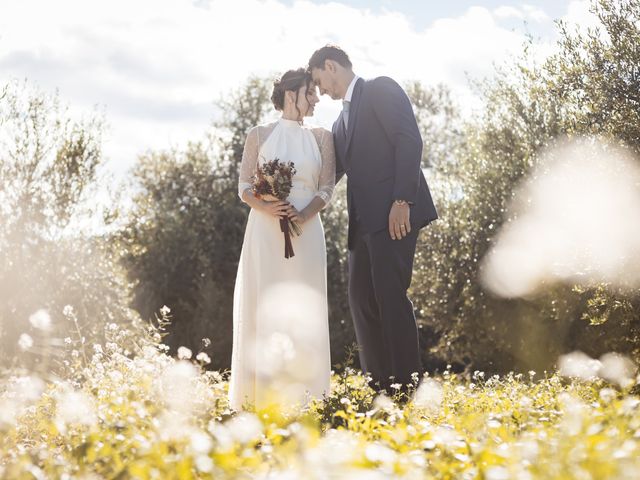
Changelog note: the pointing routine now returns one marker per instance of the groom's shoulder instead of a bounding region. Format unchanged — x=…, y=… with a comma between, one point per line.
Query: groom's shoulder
x=381, y=82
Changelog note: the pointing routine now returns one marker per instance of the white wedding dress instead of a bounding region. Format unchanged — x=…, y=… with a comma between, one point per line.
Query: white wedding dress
x=280, y=311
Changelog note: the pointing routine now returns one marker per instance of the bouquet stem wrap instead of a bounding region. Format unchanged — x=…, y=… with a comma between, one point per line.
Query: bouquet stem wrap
x=288, y=247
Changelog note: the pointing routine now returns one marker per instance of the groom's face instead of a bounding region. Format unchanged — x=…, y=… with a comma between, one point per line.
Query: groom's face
x=326, y=80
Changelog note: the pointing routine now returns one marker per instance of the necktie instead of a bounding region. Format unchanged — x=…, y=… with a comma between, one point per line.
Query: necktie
x=345, y=113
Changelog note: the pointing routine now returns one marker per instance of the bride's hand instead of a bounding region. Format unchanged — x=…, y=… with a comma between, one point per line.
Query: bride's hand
x=277, y=209
x=297, y=216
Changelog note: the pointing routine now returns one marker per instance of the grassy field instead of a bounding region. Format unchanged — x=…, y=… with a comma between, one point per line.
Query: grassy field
x=143, y=415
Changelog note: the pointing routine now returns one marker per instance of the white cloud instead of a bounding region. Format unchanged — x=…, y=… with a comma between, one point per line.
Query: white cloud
x=525, y=12
x=506, y=11
x=579, y=14
x=158, y=65
x=535, y=13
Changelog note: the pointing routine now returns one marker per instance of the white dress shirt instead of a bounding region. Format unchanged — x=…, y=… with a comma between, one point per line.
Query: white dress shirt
x=349, y=94
x=347, y=100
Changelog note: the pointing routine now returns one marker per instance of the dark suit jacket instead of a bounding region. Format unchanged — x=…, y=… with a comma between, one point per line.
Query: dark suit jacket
x=380, y=153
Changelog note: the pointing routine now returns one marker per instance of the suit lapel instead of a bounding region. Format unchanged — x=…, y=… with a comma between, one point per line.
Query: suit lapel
x=353, y=112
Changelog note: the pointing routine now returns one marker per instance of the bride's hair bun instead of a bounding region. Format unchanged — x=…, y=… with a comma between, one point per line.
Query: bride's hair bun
x=277, y=96
x=291, y=81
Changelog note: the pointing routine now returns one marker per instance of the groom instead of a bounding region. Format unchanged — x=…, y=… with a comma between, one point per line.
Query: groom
x=379, y=148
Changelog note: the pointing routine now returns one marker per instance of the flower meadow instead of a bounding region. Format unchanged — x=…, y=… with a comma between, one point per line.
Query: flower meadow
x=127, y=409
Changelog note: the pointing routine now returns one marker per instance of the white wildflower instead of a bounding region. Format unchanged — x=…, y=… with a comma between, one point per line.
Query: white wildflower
x=222, y=435
x=184, y=353
x=177, y=386
x=529, y=449
x=429, y=395
x=10, y=410
x=74, y=407
x=25, y=342
x=525, y=403
x=578, y=364
x=41, y=320
x=629, y=405
x=607, y=395
x=204, y=463
x=575, y=412
x=337, y=447
x=200, y=442
x=204, y=358
x=618, y=369
x=383, y=402
x=376, y=452
x=244, y=427
x=445, y=436
x=29, y=388
x=496, y=473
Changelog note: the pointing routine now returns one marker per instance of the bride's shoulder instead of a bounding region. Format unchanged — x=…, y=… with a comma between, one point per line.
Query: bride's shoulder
x=322, y=135
x=261, y=130
x=318, y=131
x=264, y=126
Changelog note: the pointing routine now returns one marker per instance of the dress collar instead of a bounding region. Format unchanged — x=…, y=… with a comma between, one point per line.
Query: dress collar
x=289, y=123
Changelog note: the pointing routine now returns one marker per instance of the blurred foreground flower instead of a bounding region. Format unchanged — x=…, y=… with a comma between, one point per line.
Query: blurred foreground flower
x=73, y=408
x=579, y=365
x=177, y=387
x=245, y=427
x=429, y=396
x=41, y=320
x=25, y=342
x=575, y=221
x=612, y=367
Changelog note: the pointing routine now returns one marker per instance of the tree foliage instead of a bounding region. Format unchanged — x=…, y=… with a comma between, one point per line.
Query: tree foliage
x=589, y=87
x=48, y=258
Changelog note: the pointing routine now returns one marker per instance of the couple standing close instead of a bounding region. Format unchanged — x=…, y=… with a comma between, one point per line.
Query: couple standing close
x=281, y=332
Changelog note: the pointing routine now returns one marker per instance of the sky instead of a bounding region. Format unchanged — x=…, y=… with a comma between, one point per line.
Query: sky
x=156, y=67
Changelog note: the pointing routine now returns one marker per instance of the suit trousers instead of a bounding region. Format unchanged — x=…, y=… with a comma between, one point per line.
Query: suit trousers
x=380, y=270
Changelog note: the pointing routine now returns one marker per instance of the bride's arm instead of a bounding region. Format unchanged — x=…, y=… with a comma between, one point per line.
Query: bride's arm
x=248, y=167
x=326, y=181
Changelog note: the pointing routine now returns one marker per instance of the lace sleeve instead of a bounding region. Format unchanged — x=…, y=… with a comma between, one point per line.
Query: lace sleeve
x=249, y=161
x=327, y=179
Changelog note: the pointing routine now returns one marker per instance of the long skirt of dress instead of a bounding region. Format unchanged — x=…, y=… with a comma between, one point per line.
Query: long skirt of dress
x=280, y=315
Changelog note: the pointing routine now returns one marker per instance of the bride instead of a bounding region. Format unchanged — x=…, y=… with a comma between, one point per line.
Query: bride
x=280, y=313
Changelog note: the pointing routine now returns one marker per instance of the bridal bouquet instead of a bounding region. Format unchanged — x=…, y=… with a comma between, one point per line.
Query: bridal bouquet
x=273, y=181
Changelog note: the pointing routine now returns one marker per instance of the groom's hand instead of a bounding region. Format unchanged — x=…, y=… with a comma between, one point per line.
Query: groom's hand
x=399, y=224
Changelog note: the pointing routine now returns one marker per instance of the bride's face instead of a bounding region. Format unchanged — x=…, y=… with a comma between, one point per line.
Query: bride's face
x=307, y=99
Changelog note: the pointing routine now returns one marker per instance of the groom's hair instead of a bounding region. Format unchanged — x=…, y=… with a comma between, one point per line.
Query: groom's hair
x=329, y=52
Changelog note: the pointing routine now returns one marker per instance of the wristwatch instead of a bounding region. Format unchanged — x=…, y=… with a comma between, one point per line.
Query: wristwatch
x=401, y=202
